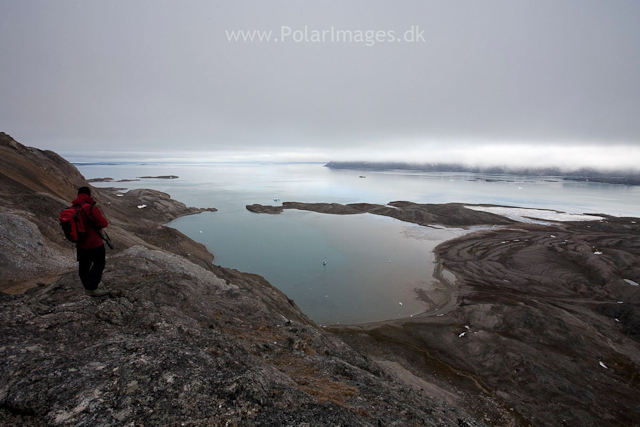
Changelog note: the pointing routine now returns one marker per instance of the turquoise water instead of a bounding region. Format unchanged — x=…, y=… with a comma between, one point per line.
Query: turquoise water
x=358, y=283
x=373, y=264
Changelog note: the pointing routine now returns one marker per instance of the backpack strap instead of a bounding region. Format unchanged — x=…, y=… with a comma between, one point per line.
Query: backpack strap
x=91, y=222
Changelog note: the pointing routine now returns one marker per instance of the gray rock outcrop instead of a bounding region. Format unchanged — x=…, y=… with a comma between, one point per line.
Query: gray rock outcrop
x=173, y=344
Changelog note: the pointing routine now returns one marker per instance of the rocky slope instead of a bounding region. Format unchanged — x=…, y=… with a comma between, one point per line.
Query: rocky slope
x=36, y=185
x=178, y=341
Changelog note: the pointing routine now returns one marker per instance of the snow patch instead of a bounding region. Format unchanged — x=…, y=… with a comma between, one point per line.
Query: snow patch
x=525, y=215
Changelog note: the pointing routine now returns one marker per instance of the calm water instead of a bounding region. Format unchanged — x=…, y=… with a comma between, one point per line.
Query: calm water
x=374, y=264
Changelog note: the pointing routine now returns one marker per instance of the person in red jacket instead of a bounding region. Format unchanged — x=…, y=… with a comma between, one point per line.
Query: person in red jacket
x=91, y=252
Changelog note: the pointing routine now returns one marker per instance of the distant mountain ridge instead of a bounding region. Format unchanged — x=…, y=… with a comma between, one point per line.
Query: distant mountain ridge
x=627, y=177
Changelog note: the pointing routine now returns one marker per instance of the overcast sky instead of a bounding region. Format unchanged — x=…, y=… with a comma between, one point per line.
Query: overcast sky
x=528, y=82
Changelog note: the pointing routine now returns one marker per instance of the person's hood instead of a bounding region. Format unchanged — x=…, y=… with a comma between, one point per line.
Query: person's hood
x=83, y=198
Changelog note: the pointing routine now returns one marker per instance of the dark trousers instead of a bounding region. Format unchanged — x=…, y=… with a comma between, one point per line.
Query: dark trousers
x=90, y=266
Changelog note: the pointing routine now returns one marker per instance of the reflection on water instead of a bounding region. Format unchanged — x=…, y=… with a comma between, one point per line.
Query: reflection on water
x=374, y=264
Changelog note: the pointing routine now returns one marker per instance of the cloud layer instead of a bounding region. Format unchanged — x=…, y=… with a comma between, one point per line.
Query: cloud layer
x=491, y=80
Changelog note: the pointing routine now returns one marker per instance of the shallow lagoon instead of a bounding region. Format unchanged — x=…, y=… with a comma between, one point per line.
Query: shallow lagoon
x=358, y=283
x=373, y=265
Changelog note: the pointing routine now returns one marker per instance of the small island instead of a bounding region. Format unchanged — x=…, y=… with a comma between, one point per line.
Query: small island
x=107, y=179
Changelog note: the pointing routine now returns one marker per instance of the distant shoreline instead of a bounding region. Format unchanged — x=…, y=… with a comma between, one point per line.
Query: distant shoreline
x=626, y=177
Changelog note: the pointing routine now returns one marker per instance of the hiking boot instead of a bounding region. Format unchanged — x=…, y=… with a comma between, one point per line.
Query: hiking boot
x=96, y=292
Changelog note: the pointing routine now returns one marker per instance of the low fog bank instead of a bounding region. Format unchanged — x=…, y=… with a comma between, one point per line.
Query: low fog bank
x=560, y=159
x=494, y=169
x=626, y=176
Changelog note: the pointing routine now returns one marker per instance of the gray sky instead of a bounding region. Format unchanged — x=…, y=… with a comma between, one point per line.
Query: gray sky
x=530, y=82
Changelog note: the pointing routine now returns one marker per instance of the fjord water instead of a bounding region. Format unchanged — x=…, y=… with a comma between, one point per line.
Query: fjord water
x=374, y=264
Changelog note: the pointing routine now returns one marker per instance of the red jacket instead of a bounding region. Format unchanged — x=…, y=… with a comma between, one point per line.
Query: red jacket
x=93, y=239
